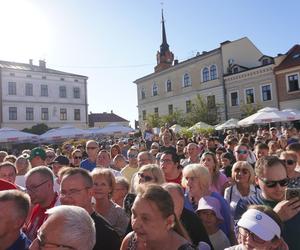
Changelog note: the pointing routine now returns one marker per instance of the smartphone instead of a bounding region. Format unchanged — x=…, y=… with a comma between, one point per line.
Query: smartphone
x=291, y=193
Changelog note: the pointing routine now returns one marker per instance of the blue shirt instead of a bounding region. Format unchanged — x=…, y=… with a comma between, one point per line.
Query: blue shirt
x=88, y=165
x=22, y=243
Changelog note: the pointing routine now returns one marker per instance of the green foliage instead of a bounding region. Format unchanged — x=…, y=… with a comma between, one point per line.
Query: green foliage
x=38, y=129
x=184, y=132
x=154, y=121
x=249, y=109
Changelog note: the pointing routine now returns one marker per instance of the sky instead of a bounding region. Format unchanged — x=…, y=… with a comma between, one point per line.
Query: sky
x=114, y=42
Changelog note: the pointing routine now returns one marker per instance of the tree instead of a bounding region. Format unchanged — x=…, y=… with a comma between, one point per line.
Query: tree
x=249, y=109
x=154, y=121
x=177, y=117
x=38, y=129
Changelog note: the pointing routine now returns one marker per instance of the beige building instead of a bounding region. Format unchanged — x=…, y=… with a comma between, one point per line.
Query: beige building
x=174, y=85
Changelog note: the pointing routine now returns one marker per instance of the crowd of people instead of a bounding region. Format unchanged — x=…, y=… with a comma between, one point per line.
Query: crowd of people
x=236, y=191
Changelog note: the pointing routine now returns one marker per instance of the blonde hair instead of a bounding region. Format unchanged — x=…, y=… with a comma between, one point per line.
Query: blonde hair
x=107, y=174
x=196, y=170
x=156, y=171
x=243, y=165
x=291, y=153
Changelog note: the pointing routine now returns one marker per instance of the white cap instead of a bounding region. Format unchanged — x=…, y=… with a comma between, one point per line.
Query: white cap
x=260, y=224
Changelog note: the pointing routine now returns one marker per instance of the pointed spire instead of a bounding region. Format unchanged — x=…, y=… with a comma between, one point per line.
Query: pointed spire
x=164, y=46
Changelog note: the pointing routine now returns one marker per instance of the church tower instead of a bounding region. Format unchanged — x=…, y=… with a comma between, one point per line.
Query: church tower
x=164, y=56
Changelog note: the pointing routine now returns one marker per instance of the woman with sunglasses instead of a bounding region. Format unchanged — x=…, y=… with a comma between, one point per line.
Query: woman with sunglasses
x=260, y=229
x=243, y=180
x=290, y=159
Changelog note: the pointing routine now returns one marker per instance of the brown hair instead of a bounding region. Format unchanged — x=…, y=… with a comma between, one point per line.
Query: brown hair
x=266, y=162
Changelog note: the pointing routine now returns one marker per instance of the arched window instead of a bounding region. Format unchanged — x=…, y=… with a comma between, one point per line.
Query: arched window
x=143, y=93
x=169, y=85
x=205, y=74
x=154, y=89
x=213, y=72
x=186, y=80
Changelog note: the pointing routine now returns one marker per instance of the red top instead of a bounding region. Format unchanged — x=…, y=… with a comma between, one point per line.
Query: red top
x=176, y=180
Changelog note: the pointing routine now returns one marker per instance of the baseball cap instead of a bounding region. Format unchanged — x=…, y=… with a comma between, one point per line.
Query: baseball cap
x=260, y=224
x=38, y=151
x=210, y=203
x=62, y=160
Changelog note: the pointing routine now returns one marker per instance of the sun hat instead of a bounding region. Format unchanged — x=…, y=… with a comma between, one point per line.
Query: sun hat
x=260, y=224
x=210, y=203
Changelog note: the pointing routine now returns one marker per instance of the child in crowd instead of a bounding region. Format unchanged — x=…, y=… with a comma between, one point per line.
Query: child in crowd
x=209, y=212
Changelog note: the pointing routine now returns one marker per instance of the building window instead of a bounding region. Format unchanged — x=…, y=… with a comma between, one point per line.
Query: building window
x=211, y=101
x=169, y=86
x=44, y=77
x=44, y=90
x=12, y=88
x=76, y=92
x=144, y=115
x=205, y=74
x=154, y=89
x=29, y=114
x=293, y=82
x=266, y=93
x=44, y=114
x=213, y=72
x=77, y=114
x=186, y=80
x=63, y=114
x=234, y=98
x=62, y=91
x=12, y=74
x=28, y=76
x=143, y=93
x=249, y=94
x=170, y=107
x=12, y=113
x=235, y=69
x=28, y=89
x=156, y=111
x=188, y=106
x=265, y=61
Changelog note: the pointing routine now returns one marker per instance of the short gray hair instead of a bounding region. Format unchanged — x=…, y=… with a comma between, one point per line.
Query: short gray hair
x=76, y=226
x=42, y=170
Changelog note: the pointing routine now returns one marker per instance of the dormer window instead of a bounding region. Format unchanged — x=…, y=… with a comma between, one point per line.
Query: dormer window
x=235, y=69
x=265, y=61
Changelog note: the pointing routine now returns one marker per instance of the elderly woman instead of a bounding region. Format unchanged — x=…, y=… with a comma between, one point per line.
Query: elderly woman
x=219, y=181
x=197, y=181
x=104, y=184
x=243, y=180
x=290, y=158
x=154, y=223
x=259, y=228
x=22, y=165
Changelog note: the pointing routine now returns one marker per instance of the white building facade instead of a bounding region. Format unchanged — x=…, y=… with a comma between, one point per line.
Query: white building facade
x=32, y=94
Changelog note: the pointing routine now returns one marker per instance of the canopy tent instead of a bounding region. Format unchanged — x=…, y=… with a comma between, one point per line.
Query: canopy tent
x=200, y=125
x=176, y=128
x=265, y=115
x=63, y=133
x=11, y=135
x=94, y=131
x=231, y=123
x=116, y=129
x=292, y=114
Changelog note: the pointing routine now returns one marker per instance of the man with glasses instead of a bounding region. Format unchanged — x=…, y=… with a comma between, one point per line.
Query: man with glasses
x=131, y=168
x=14, y=207
x=67, y=227
x=39, y=186
x=92, y=149
x=193, y=152
x=271, y=177
x=76, y=189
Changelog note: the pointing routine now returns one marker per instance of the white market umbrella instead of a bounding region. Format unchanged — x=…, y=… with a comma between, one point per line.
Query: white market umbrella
x=231, y=123
x=94, y=131
x=62, y=133
x=265, y=115
x=292, y=114
x=200, y=125
x=176, y=128
x=116, y=129
x=11, y=135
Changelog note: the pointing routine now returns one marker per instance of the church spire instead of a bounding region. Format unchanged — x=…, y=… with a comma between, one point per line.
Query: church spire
x=164, y=56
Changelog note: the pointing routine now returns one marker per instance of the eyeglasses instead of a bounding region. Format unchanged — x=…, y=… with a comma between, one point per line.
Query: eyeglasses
x=78, y=157
x=242, y=151
x=92, y=148
x=33, y=189
x=165, y=160
x=289, y=162
x=132, y=156
x=243, y=171
x=180, y=145
x=41, y=242
x=72, y=192
x=245, y=232
x=272, y=184
x=146, y=178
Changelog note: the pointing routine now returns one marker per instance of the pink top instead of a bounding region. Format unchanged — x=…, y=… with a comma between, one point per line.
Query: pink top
x=218, y=187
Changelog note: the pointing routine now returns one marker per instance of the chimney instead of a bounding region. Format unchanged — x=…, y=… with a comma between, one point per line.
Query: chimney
x=42, y=64
x=111, y=111
x=176, y=61
x=30, y=62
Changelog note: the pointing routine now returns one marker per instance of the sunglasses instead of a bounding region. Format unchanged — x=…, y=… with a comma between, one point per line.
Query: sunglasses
x=145, y=177
x=289, y=162
x=132, y=156
x=272, y=184
x=78, y=157
x=242, y=151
